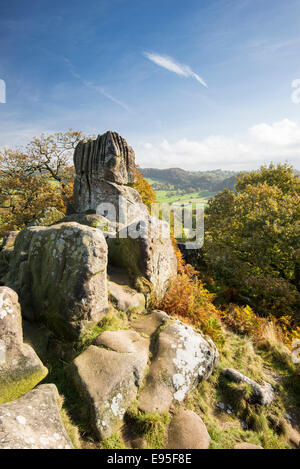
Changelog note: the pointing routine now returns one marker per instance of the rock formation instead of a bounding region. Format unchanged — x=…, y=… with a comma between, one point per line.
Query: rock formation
x=20, y=367
x=60, y=273
x=33, y=421
x=144, y=248
x=74, y=277
x=182, y=358
x=104, y=168
x=108, y=376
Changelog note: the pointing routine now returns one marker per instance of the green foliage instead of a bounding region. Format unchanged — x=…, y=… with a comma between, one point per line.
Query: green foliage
x=252, y=239
x=115, y=441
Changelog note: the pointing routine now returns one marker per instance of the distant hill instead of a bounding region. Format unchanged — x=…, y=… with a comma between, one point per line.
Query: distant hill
x=188, y=181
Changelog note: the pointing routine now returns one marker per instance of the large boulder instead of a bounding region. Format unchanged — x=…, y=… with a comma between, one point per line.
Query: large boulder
x=145, y=249
x=33, y=421
x=187, y=431
x=108, y=376
x=263, y=393
x=20, y=367
x=182, y=358
x=60, y=273
x=104, y=168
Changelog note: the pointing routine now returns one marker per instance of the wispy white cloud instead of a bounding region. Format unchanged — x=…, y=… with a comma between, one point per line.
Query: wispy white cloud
x=91, y=85
x=170, y=64
x=101, y=90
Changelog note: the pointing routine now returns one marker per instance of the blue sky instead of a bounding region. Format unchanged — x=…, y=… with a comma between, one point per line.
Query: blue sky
x=140, y=67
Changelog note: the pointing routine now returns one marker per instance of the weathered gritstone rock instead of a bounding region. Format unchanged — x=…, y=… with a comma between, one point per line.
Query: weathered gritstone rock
x=263, y=393
x=108, y=378
x=125, y=298
x=103, y=166
x=183, y=358
x=187, y=431
x=149, y=323
x=60, y=273
x=6, y=252
x=119, y=204
x=33, y=421
x=145, y=249
x=20, y=367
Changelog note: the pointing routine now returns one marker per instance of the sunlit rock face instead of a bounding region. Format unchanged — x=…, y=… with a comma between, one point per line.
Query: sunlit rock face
x=102, y=166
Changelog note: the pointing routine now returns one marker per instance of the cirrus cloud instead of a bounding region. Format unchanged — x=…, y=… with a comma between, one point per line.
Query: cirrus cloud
x=170, y=64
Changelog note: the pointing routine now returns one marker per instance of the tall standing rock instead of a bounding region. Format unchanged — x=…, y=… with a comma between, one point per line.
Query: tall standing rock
x=141, y=243
x=104, y=168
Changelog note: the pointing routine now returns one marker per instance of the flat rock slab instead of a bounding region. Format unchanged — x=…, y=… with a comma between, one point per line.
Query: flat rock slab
x=123, y=341
x=183, y=357
x=125, y=298
x=33, y=421
x=264, y=393
x=109, y=378
x=149, y=323
x=20, y=367
x=187, y=431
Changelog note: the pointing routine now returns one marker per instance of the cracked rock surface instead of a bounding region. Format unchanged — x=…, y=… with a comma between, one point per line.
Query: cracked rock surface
x=182, y=358
x=108, y=376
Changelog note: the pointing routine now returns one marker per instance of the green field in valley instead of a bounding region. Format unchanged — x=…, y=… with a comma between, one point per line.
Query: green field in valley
x=177, y=196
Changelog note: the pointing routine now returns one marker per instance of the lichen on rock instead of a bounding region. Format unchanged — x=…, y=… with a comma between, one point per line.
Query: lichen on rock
x=20, y=367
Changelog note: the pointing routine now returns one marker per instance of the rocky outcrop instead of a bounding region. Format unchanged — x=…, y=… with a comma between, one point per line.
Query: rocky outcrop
x=60, y=273
x=33, y=421
x=137, y=242
x=187, y=431
x=145, y=249
x=104, y=168
x=182, y=359
x=263, y=393
x=108, y=376
x=20, y=367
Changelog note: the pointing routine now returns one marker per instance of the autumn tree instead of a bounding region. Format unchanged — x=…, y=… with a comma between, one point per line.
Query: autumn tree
x=35, y=177
x=145, y=189
x=252, y=239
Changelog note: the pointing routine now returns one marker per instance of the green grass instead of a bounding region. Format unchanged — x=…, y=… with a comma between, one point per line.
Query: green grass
x=164, y=196
x=265, y=426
